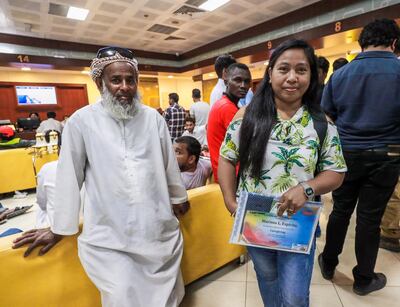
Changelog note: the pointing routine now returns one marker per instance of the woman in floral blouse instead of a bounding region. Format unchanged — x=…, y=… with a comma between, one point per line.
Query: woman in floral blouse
x=275, y=143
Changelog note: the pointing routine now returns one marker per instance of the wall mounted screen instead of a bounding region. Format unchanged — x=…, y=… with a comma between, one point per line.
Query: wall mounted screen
x=36, y=95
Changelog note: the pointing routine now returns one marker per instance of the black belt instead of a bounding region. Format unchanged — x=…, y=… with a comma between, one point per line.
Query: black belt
x=378, y=151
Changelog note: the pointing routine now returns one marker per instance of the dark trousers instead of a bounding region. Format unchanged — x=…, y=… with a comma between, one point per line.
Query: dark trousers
x=369, y=183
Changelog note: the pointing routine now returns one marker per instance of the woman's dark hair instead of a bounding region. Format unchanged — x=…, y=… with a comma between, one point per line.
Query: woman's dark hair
x=380, y=32
x=261, y=115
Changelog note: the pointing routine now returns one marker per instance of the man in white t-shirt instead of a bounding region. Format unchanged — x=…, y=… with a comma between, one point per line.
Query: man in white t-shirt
x=196, y=131
x=50, y=123
x=199, y=109
x=194, y=170
x=45, y=194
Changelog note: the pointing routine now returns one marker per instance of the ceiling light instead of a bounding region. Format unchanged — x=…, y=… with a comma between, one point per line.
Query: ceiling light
x=170, y=77
x=211, y=75
x=266, y=63
x=59, y=56
x=212, y=5
x=77, y=13
x=85, y=72
x=25, y=68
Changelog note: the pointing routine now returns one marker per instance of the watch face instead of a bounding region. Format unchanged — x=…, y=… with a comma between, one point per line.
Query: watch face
x=309, y=191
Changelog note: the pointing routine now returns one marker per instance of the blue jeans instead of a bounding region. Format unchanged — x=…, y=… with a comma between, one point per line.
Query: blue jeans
x=283, y=278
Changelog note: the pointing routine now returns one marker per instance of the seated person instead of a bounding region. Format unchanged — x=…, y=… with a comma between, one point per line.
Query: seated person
x=9, y=141
x=45, y=190
x=34, y=115
x=50, y=123
x=194, y=171
x=198, y=132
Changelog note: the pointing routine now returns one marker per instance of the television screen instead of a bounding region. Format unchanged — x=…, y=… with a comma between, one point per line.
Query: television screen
x=38, y=95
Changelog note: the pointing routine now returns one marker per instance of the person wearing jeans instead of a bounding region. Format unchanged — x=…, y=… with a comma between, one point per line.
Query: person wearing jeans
x=276, y=144
x=279, y=271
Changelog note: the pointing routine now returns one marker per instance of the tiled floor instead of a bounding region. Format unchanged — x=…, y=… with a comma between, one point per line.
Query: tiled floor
x=235, y=285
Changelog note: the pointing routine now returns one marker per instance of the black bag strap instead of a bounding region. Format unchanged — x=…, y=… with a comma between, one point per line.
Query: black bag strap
x=321, y=126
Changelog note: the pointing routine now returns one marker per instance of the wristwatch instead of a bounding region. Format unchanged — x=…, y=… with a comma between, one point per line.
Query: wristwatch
x=308, y=191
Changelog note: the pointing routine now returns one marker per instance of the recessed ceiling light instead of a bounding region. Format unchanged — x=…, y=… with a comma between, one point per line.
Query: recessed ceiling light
x=170, y=77
x=211, y=75
x=25, y=68
x=77, y=13
x=212, y=5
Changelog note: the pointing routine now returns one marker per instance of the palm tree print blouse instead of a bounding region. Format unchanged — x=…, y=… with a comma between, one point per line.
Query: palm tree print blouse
x=291, y=156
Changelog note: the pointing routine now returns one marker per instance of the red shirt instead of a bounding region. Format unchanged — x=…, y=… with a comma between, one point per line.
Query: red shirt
x=220, y=117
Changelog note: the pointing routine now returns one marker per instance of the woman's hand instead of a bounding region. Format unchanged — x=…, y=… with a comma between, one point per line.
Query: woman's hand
x=292, y=200
x=232, y=207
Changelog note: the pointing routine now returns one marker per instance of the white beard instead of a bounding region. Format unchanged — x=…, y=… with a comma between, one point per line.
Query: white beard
x=116, y=109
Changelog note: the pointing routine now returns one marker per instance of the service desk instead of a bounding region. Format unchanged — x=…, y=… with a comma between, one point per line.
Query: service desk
x=16, y=169
x=58, y=279
x=26, y=134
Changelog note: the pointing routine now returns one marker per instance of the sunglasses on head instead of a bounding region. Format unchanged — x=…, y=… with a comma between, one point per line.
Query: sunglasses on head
x=111, y=51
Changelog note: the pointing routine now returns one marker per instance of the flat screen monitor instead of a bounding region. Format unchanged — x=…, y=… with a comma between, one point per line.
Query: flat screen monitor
x=36, y=95
x=28, y=123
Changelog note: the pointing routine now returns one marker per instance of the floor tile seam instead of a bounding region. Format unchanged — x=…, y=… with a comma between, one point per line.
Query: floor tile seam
x=245, y=294
x=337, y=293
x=247, y=266
x=350, y=286
x=321, y=284
x=233, y=281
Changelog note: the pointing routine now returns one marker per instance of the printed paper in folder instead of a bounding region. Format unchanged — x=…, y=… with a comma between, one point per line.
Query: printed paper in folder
x=257, y=224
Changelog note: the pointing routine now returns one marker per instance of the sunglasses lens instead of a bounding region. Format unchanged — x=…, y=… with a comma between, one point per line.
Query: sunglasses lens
x=110, y=51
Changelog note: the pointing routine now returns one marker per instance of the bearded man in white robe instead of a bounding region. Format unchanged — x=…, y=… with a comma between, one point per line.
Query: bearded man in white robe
x=131, y=245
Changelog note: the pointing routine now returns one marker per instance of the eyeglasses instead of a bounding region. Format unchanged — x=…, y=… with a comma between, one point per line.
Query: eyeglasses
x=111, y=51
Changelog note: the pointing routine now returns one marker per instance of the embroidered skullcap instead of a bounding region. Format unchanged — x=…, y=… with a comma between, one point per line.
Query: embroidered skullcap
x=98, y=64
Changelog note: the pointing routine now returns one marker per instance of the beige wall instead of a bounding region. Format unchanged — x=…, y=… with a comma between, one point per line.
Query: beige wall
x=182, y=86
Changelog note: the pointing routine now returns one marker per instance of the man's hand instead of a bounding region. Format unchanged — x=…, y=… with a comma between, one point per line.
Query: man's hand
x=37, y=237
x=292, y=200
x=181, y=209
x=3, y=215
